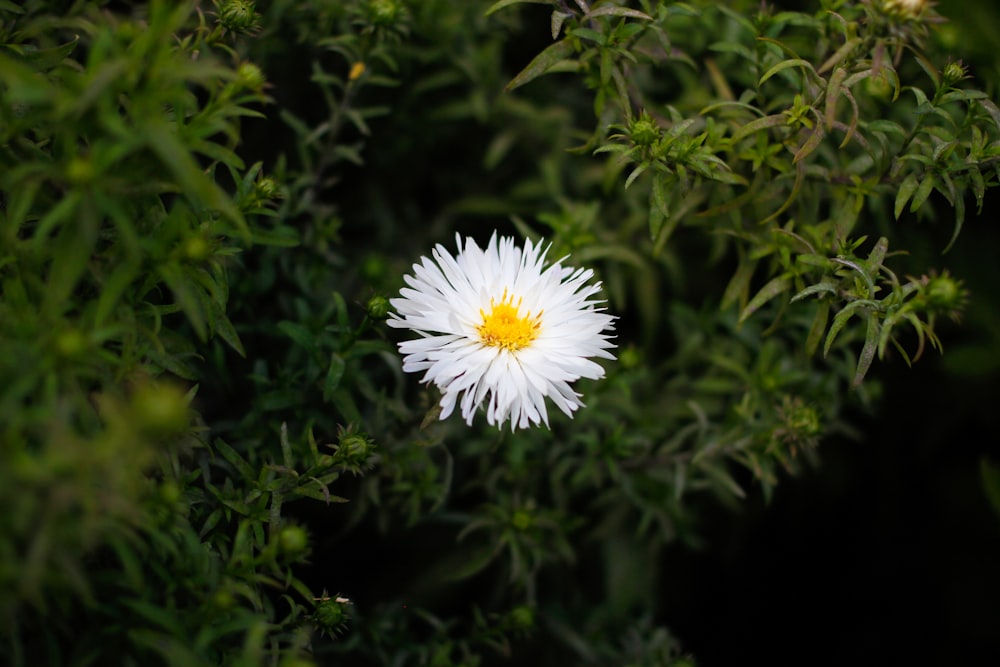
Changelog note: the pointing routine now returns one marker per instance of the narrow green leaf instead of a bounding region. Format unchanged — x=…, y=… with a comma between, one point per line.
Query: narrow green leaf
x=222, y=326
x=810, y=144
x=992, y=109
x=904, y=192
x=615, y=10
x=840, y=320
x=558, y=18
x=739, y=285
x=112, y=288
x=659, y=206
x=772, y=289
x=759, y=124
x=822, y=287
x=868, y=351
x=542, y=63
x=279, y=237
x=245, y=470
x=298, y=333
x=785, y=64
x=818, y=327
x=497, y=6
x=333, y=376
x=959, y=220
x=922, y=193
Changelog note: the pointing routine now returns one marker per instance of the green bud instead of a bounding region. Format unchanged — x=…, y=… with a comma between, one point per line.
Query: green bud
x=644, y=131
x=802, y=420
x=353, y=450
x=522, y=520
x=383, y=13
x=944, y=294
x=250, y=76
x=222, y=599
x=266, y=188
x=904, y=9
x=238, y=15
x=378, y=307
x=630, y=357
x=523, y=617
x=160, y=409
x=293, y=541
x=169, y=492
x=71, y=344
x=196, y=248
x=954, y=72
x=79, y=171
x=332, y=614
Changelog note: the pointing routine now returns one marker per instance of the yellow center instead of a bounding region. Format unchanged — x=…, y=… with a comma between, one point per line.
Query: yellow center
x=504, y=327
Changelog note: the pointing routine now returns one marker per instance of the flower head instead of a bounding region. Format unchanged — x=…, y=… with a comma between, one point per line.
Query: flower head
x=499, y=325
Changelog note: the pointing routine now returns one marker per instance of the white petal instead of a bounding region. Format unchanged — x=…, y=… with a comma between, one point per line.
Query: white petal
x=444, y=300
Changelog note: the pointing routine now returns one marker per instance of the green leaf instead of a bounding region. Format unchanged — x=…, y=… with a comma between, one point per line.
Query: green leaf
x=869, y=349
x=224, y=328
x=922, y=193
x=497, y=6
x=279, y=237
x=245, y=470
x=739, y=284
x=298, y=333
x=772, y=289
x=818, y=327
x=542, y=63
x=194, y=182
x=785, y=64
x=903, y=194
x=822, y=287
x=615, y=10
x=759, y=124
x=112, y=288
x=841, y=318
x=659, y=206
x=333, y=376
x=810, y=144
x=558, y=19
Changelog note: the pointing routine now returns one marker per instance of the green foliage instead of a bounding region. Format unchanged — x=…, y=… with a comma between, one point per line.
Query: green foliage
x=205, y=207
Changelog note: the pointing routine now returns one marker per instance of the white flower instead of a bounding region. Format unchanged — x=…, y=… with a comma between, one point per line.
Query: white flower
x=502, y=327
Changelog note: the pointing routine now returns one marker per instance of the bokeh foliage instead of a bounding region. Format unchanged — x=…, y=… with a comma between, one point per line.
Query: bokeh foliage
x=208, y=451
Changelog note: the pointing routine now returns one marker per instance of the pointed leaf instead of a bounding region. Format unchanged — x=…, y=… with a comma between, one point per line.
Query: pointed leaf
x=542, y=63
x=772, y=289
x=497, y=6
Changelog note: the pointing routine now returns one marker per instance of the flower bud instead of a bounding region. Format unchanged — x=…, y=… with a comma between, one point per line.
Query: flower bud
x=160, y=410
x=523, y=617
x=70, y=344
x=522, y=520
x=266, y=189
x=904, y=9
x=79, y=171
x=196, y=248
x=293, y=541
x=644, y=131
x=332, y=614
x=383, y=13
x=238, y=15
x=954, y=72
x=944, y=294
x=378, y=307
x=250, y=76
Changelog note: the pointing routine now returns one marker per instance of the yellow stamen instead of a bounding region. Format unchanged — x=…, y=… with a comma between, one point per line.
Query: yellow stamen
x=504, y=327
